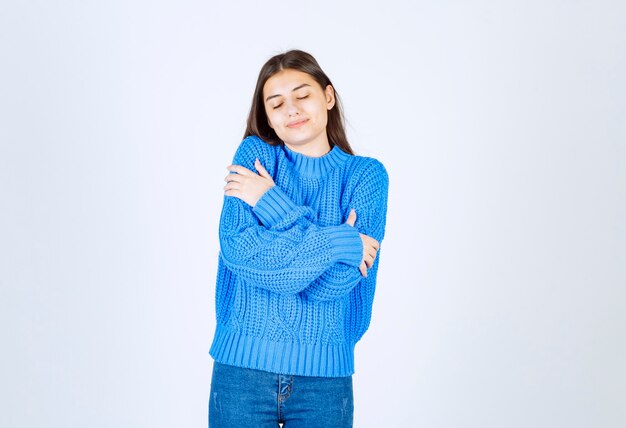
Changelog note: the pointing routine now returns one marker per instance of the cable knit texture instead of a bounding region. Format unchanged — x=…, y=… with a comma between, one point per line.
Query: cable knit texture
x=290, y=298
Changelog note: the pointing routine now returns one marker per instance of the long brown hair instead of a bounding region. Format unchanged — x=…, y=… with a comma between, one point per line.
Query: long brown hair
x=297, y=60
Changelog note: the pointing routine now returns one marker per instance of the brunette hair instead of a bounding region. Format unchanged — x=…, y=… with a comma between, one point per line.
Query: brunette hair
x=257, y=123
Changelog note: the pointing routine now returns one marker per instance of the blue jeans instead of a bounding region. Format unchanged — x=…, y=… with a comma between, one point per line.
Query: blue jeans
x=250, y=398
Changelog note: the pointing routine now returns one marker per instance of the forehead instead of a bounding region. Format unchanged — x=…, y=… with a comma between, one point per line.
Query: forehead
x=285, y=81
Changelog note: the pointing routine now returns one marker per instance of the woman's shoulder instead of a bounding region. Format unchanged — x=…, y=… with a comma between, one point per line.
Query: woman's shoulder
x=365, y=174
x=255, y=144
x=361, y=166
x=253, y=147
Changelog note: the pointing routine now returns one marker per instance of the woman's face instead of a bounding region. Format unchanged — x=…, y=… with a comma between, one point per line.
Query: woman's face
x=297, y=109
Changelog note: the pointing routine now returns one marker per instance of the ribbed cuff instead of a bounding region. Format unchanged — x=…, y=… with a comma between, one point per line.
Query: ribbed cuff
x=273, y=206
x=346, y=244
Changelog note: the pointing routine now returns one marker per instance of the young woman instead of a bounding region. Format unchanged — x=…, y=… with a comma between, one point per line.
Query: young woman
x=299, y=235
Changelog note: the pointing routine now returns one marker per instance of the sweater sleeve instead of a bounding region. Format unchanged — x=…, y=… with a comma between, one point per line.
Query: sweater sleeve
x=292, y=252
x=336, y=281
x=369, y=200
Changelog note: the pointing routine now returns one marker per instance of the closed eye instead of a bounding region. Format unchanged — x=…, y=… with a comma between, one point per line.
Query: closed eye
x=301, y=98
x=275, y=107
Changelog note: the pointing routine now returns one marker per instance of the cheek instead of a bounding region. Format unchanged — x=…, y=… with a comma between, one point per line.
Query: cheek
x=325, y=120
x=323, y=113
x=271, y=118
x=322, y=109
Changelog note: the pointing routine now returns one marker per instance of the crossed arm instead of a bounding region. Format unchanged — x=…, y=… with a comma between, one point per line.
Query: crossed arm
x=288, y=252
x=250, y=187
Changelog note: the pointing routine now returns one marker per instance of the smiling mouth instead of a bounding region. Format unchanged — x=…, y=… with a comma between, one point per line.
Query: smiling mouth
x=297, y=124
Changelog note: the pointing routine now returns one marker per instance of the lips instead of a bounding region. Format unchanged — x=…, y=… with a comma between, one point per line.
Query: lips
x=297, y=123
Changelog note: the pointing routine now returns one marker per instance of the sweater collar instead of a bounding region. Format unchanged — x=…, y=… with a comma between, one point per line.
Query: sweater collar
x=316, y=167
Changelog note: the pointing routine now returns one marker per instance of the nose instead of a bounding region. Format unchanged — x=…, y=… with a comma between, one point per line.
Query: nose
x=292, y=109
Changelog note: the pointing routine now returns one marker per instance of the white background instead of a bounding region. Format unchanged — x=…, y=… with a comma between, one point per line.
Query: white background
x=501, y=296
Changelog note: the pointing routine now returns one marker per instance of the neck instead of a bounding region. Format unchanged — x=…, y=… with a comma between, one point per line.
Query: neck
x=314, y=149
x=315, y=166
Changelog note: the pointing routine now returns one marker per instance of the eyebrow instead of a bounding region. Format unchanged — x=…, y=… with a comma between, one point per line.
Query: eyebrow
x=293, y=90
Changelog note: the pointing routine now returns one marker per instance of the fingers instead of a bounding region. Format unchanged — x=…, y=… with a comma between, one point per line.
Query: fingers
x=371, y=241
x=245, y=171
x=351, y=218
x=231, y=177
x=246, y=184
x=241, y=174
x=363, y=269
x=261, y=169
x=370, y=250
x=370, y=246
x=232, y=186
x=239, y=169
x=242, y=171
x=233, y=182
x=369, y=258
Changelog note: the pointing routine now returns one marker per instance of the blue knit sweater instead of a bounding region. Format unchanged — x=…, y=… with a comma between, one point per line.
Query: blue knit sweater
x=289, y=295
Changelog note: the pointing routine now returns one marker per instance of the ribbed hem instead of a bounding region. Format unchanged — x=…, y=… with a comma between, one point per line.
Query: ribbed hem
x=346, y=244
x=232, y=347
x=316, y=167
x=273, y=206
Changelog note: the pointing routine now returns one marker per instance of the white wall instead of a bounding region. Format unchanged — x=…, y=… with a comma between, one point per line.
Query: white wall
x=502, y=287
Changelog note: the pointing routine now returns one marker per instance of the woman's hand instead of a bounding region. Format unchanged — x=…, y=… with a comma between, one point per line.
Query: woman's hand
x=248, y=185
x=370, y=246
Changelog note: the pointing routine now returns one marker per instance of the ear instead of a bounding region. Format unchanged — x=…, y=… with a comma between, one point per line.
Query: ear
x=330, y=97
